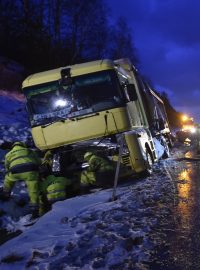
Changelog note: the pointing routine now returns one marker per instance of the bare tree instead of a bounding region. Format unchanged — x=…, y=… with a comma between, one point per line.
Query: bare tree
x=43, y=34
x=85, y=28
x=121, y=41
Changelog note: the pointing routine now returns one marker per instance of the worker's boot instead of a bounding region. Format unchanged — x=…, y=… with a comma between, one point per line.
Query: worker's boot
x=34, y=210
x=84, y=188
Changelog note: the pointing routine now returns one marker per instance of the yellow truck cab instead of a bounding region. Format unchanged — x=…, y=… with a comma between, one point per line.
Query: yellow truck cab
x=95, y=101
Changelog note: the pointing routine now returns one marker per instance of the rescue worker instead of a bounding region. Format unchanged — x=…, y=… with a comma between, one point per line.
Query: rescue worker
x=100, y=171
x=21, y=164
x=52, y=189
x=67, y=161
x=47, y=162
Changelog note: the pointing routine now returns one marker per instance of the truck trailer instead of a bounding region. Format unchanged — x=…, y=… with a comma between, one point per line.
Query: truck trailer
x=94, y=105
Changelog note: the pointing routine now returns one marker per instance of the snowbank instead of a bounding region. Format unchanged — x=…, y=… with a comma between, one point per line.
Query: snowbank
x=92, y=232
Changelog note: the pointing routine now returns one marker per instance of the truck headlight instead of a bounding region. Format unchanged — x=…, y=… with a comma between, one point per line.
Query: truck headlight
x=193, y=130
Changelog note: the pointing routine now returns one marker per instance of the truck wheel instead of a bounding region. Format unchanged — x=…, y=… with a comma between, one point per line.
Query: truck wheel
x=149, y=162
x=166, y=153
x=170, y=141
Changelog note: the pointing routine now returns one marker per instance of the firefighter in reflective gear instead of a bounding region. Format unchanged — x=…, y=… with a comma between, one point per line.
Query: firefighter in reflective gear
x=52, y=189
x=47, y=162
x=22, y=164
x=100, y=171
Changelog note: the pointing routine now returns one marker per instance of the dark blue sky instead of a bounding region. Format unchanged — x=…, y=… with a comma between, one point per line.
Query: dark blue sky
x=166, y=34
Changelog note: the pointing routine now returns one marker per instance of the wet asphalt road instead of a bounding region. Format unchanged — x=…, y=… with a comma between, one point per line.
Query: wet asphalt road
x=179, y=247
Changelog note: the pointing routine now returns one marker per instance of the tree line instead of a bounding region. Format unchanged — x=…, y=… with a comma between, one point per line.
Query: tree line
x=174, y=117
x=45, y=34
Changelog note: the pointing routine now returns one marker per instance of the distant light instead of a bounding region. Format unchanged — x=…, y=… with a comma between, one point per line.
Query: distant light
x=189, y=128
x=60, y=103
x=187, y=140
x=184, y=117
x=193, y=130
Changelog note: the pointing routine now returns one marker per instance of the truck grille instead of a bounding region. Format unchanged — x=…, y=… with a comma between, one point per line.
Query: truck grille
x=126, y=159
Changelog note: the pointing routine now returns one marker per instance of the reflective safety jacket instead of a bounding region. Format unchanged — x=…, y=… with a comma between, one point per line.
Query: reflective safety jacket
x=54, y=187
x=88, y=177
x=99, y=164
x=98, y=169
x=21, y=159
x=48, y=159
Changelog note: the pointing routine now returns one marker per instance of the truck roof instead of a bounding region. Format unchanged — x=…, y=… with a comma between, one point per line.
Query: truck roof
x=78, y=69
x=156, y=96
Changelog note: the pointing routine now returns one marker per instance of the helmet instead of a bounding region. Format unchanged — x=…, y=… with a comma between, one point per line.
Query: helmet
x=19, y=144
x=88, y=155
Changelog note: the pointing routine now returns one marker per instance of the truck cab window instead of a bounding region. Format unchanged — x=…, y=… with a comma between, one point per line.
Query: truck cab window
x=89, y=93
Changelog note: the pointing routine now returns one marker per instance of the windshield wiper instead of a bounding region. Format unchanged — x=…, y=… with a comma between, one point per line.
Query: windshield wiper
x=56, y=119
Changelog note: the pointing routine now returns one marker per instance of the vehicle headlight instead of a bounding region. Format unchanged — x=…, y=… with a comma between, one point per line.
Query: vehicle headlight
x=193, y=130
x=60, y=103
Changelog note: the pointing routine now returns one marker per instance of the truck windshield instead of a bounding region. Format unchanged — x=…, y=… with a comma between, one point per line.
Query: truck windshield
x=87, y=94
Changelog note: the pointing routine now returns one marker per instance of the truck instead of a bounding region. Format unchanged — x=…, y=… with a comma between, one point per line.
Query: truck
x=188, y=131
x=154, y=108
x=100, y=105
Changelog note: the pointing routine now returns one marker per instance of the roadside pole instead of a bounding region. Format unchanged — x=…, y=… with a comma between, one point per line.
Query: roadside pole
x=120, y=139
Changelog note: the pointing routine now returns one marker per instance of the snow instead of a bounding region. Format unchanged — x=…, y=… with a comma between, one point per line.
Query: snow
x=84, y=232
x=91, y=231
x=12, y=112
x=159, y=148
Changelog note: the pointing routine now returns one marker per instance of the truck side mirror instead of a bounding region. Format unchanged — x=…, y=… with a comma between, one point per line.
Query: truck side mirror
x=131, y=90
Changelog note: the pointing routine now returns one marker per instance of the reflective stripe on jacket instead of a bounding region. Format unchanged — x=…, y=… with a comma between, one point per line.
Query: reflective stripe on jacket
x=99, y=164
x=26, y=167
x=88, y=177
x=18, y=157
x=55, y=187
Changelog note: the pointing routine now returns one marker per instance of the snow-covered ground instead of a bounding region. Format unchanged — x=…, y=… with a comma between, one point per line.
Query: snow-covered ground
x=85, y=232
x=13, y=117
x=14, y=123
x=90, y=231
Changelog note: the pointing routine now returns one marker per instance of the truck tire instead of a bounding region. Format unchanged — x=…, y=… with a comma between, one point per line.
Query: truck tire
x=149, y=162
x=165, y=144
x=170, y=141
